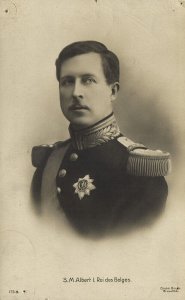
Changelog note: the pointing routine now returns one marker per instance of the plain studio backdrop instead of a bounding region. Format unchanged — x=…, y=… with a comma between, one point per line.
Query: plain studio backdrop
x=37, y=252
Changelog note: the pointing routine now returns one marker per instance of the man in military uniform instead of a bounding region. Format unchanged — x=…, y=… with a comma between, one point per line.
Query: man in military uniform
x=101, y=179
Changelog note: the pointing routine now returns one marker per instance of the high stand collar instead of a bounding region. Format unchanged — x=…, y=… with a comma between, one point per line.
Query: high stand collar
x=97, y=134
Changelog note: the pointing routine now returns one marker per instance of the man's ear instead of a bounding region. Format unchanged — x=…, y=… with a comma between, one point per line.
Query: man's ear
x=115, y=89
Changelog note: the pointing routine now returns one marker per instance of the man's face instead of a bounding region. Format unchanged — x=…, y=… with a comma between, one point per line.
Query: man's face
x=85, y=96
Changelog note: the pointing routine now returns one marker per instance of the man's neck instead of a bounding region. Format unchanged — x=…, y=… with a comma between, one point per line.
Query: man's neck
x=77, y=127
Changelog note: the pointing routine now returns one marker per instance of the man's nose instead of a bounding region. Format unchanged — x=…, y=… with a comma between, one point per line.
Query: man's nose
x=78, y=89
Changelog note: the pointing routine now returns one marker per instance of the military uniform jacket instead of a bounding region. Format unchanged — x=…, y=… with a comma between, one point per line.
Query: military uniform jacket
x=102, y=179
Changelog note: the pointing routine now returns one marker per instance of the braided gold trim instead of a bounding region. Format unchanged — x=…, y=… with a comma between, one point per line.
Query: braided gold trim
x=96, y=135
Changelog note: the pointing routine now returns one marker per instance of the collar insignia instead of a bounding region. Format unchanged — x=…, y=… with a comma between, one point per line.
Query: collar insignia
x=84, y=186
x=101, y=132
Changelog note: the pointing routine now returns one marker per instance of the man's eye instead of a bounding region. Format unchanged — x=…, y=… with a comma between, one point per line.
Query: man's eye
x=67, y=82
x=88, y=80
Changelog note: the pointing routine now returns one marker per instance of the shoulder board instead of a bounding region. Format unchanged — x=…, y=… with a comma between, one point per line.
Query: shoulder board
x=41, y=153
x=145, y=162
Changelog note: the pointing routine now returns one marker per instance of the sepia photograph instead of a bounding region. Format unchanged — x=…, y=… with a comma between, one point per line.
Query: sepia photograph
x=92, y=150
x=101, y=177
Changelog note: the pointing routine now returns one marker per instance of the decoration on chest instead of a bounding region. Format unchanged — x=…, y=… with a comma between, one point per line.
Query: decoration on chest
x=84, y=186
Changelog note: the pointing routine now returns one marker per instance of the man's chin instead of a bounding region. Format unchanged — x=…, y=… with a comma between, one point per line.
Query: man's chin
x=81, y=122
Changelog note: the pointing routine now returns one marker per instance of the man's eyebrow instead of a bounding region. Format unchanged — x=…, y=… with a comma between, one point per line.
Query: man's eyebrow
x=66, y=76
x=88, y=75
x=81, y=75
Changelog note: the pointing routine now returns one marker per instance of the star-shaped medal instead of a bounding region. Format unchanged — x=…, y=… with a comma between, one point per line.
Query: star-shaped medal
x=84, y=186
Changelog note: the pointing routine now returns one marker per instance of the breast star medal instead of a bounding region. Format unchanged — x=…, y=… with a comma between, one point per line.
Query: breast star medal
x=84, y=186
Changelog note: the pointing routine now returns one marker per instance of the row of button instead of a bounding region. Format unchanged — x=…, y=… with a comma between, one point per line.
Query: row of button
x=62, y=172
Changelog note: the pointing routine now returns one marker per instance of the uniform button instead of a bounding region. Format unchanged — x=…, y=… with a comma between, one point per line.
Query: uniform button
x=59, y=190
x=73, y=156
x=62, y=173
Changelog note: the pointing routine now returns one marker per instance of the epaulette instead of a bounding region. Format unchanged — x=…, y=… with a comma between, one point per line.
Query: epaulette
x=145, y=162
x=41, y=153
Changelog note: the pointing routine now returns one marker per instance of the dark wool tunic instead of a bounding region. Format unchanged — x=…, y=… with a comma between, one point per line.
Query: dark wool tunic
x=117, y=197
x=93, y=183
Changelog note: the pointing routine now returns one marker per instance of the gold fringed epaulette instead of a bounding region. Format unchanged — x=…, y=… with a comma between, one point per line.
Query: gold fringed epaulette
x=146, y=162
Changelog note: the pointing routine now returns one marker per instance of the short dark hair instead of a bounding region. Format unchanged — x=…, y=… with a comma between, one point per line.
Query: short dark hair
x=110, y=61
